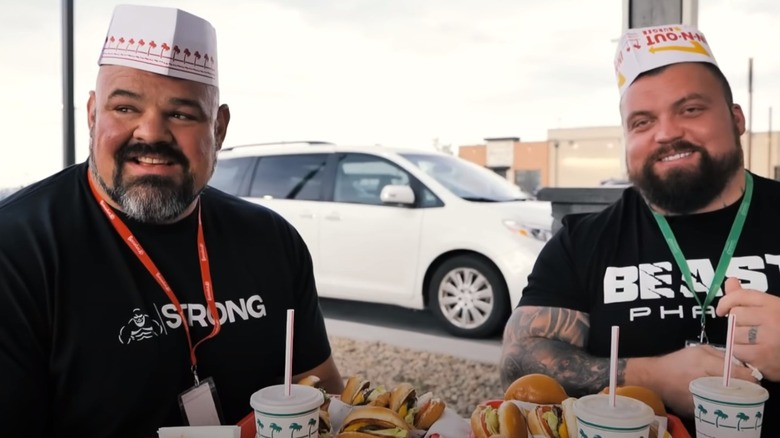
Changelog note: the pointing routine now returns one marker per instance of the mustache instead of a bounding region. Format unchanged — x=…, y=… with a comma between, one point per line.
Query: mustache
x=165, y=151
x=677, y=147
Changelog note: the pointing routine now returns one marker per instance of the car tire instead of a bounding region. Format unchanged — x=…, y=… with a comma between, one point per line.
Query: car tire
x=469, y=296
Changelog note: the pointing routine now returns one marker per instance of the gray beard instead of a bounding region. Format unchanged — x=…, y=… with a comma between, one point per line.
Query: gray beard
x=150, y=199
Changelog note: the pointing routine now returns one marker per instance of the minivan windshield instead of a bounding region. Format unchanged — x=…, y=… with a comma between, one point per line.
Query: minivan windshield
x=466, y=179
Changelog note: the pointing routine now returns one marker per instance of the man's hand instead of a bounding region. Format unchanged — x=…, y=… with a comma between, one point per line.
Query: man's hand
x=670, y=375
x=757, y=332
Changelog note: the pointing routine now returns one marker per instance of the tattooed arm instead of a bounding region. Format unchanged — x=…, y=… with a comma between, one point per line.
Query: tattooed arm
x=551, y=340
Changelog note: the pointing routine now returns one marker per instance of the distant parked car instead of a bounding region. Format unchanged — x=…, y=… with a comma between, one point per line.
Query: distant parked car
x=406, y=227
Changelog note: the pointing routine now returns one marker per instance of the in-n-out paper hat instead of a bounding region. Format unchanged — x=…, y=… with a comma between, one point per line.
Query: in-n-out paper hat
x=166, y=41
x=644, y=49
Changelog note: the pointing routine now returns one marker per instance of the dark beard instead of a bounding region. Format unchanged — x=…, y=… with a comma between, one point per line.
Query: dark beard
x=683, y=191
x=151, y=198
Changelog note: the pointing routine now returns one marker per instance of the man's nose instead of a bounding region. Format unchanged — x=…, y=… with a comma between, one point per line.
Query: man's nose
x=668, y=130
x=153, y=128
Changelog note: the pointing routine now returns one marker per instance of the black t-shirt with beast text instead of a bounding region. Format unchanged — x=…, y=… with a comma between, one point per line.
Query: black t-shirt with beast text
x=616, y=266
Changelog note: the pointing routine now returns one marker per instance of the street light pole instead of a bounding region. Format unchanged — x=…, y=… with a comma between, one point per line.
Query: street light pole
x=68, y=118
x=750, y=114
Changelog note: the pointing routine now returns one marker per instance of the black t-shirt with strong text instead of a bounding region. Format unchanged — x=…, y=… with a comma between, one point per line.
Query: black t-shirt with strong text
x=616, y=266
x=90, y=345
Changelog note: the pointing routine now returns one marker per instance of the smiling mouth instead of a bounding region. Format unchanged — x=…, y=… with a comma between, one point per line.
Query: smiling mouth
x=675, y=157
x=152, y=161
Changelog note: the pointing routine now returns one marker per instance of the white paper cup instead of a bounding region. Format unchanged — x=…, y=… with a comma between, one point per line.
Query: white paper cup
x=629, y=418
x=277, y=415
x=734, y=411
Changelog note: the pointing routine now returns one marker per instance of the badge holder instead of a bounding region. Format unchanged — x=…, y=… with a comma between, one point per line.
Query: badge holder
x=200, y=404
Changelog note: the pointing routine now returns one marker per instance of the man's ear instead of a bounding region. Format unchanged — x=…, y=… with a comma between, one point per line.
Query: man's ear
x=221, y=125
x=739, y=117
x=91, y=116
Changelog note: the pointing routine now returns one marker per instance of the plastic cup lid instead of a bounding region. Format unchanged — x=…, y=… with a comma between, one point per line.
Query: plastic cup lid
x=273, y=400
x=627, y=413
x=738, y=391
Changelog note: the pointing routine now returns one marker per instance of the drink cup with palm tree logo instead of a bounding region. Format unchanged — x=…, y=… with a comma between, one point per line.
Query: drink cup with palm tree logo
x=280, y=416
x=733, y=411
x=596, y=418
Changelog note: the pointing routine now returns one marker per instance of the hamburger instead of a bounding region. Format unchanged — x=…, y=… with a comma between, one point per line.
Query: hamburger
x=403, y=400
x=373, y=421
x=545, y=398
x=428, y=410
x=536, y=388
x=314, y=381
x=358, y=392
x=505, y=420
x=645, y=395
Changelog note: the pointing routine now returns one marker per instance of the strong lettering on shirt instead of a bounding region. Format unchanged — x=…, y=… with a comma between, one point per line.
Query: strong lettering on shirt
x=229, y=312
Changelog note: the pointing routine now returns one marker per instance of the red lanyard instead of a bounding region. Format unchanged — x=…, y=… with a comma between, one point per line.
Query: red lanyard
x=205, y=273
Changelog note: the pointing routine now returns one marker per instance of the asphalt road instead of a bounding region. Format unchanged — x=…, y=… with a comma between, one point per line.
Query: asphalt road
x=417, y=329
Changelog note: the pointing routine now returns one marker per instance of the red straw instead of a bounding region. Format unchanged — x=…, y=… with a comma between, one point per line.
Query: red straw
x=729, y=348
x=288, y=353
x=613, y=357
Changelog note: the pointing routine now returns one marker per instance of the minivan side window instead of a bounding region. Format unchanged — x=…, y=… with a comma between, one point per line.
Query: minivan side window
x=289, y=177
x=230, y=173
x=360, y=178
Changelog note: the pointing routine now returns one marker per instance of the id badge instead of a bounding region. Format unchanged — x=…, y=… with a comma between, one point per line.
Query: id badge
x=200, y=405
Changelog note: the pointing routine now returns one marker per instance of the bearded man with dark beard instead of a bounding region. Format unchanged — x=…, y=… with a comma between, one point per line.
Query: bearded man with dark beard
x=693, y=240
x=134, y=233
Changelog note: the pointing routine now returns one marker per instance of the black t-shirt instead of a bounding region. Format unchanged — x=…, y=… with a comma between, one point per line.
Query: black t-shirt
x=90, y=344
x=616, y=266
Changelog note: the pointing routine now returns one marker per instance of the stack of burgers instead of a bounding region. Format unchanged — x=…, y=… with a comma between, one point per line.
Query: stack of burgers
x=377, y=412
x=536, y=405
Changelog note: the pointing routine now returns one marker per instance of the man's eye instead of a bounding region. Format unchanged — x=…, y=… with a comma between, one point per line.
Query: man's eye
x=182, y=116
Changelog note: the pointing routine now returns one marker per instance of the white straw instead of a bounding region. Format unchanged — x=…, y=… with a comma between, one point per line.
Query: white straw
x=288, y=353
x=729, y=349
x=613, y=358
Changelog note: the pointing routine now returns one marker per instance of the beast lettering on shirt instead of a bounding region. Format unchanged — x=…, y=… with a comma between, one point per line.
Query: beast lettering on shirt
x=651, y=286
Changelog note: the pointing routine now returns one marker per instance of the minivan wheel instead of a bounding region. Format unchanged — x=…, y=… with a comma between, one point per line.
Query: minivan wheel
x=469, y=296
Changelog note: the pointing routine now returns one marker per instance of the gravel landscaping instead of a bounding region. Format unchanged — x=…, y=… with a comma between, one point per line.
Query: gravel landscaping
x=461, y=383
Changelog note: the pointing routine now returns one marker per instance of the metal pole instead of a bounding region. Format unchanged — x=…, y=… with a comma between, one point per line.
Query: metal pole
x=750, y=114
x=769, y=173
x=68, y=118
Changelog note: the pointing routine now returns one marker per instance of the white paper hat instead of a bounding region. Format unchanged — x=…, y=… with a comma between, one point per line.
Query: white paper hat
x=644, y=49
x=166, y=41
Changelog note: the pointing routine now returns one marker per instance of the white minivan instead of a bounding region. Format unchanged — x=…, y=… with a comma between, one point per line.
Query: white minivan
x=412, y=228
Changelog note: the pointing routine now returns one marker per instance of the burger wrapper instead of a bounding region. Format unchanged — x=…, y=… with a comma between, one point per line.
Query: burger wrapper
x=449, y=425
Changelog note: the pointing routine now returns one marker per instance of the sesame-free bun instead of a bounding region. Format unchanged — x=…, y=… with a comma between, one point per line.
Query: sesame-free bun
x=430, y=411
x=400, y=394
x=536, y=388
x=355, y=384
x=384, y=418
x=511, y=422
x=643, y=394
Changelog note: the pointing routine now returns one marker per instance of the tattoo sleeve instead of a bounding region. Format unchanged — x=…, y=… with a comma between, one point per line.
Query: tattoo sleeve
x=551, y=340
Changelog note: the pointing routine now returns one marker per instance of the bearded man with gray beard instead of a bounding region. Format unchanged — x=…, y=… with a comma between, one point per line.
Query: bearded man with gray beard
x=128, y=284
x=694, y=239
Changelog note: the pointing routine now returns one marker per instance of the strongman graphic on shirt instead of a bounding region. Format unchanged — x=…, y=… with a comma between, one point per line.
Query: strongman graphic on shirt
x=139, y=327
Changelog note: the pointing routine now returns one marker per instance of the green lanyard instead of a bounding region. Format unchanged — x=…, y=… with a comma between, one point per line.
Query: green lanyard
x=725, y=257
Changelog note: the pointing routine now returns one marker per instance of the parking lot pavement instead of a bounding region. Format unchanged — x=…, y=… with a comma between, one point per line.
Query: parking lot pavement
x=486, y=351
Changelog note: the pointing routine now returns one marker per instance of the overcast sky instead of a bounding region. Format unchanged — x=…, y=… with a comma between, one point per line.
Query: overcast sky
x=393, y=72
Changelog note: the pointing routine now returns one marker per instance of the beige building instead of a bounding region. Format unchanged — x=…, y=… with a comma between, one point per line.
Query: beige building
x=589, y=156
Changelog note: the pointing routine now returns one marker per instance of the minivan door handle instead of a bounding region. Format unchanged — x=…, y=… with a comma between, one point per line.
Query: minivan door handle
x=333, y=216
x=308, y=215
